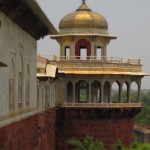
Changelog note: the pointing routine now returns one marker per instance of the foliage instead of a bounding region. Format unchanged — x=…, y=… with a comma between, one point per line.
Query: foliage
x=144, y=116
x=86, y=144
x=118, y=145
x=135, y=146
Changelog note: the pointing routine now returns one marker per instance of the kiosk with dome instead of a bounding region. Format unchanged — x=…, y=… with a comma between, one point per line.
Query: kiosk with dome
x=86, y=81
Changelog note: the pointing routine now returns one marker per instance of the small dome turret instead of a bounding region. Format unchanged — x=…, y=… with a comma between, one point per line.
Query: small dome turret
x=83, y=20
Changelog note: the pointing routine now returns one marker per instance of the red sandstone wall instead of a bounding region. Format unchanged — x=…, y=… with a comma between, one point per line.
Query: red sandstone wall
x=34, y=133
x=107, y=131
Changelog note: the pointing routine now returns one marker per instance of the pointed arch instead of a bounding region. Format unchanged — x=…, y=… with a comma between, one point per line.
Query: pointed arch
x=69, y=92
x=134, y=92
x=82, y=91
x=80, y=45
x=27, y=86
x=115, y=92
x=125, y=93
x=11, y=84
x=96, y=91
x=20, y=81
x=107, y=92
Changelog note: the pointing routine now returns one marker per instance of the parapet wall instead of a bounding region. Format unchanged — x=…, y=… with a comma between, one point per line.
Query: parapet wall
x=108, y=130
x=33, y=133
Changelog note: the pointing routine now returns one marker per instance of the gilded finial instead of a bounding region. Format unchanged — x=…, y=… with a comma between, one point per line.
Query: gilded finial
x=83, y=1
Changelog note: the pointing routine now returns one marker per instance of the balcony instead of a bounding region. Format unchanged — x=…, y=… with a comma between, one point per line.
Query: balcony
x=96, y=65
x=103, y=105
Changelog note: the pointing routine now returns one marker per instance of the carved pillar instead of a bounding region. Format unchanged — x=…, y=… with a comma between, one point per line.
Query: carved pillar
x=139, y=92
x=120, y=93
x=72, y=51
x=129, y=93
x=92, y=50
x=74, y=91
x=89, y=91
x=102, y=92
x=110, y=93
x=104, y=53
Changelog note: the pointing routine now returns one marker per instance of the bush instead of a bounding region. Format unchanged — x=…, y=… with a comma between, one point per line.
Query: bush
x=86, y=144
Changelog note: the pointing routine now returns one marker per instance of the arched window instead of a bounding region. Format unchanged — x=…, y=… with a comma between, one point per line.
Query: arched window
x=96, y=92
x=69, y=92
x=67, y=52
x=125, y=93
x=47, y=96
x=134, y=92
x=107, y=92
x=27, y=87
x=98, y=52
x=82, y=91
x=115, y=92
x=11, y=85
x=83, y=49
x=20, y=82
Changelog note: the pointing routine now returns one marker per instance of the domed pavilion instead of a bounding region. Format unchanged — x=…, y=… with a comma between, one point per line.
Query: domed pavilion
x=93, y=92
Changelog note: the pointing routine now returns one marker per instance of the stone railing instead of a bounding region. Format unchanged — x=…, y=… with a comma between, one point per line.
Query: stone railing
x=103, y=105
x=135, y=61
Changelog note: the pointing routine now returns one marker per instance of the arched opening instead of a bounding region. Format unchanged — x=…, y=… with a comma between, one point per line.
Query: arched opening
x=47, y=89
x=125, y=93
x=83, y=49
x=134, y=92
x=106, y=92
x=20, y=82
x=82, y=91
x=27, y=86
x=115, y=92
x=11, y=85
x=67, y=52
x=69, y=92
x=98, y=52
x=96, y=92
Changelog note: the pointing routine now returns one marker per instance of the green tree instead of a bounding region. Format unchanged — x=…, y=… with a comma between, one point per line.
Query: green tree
x=144, y=116
x=88, y=143
x=118, y=145
x=135, y=146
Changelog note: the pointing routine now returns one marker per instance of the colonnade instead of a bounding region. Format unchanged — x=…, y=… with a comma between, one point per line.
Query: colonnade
x=101, y=91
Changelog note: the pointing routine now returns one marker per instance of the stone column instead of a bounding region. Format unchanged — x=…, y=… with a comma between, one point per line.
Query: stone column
x=110, y=93
x=89, y=91
x=102, y=92
x=129, y=93
x=72, y=50
x=74, y=91
x=120, y=93
x=104, y=53
x=139, y=92
x=92, y=50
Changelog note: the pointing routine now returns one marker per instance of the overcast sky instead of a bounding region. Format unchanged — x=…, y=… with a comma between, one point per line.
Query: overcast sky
x=129, y=20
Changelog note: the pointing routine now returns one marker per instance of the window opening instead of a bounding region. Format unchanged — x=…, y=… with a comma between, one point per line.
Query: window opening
x=82, y=91
x=69, y=92
x=106, y=92
x=125, y=93
x=96, y=92
x=115, y=92
x=67, y=52
x=98, y=52
x=134, y=92
x=83, y=52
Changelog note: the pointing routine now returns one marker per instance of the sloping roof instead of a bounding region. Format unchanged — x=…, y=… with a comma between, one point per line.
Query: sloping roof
x=103, y=72
x=29, y=16
x=2, y=64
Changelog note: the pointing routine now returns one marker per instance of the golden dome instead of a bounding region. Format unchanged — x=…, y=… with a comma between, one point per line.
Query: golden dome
x=83, y=20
